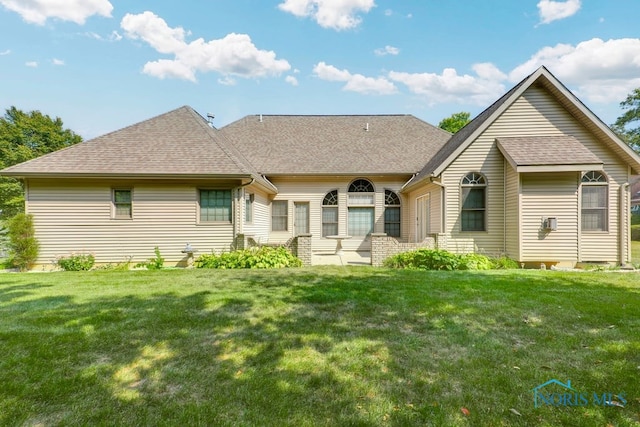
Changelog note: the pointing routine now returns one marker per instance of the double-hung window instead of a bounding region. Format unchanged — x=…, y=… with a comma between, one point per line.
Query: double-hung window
x=595, y=208
x=279, y=215
x=391, y=213
x=122, y=204
x=361, y=208
x=330, y=214
x=474, y=202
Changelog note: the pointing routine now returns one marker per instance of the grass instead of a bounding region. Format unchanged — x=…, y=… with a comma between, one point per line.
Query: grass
x=316, y=346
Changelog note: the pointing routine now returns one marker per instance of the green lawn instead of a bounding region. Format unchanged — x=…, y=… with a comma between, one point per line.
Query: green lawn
x=317, y=346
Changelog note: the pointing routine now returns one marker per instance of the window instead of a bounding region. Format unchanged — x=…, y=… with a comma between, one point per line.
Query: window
x=330, y=214
x=594, y=201
x=279, y=215
x=391, y=213
x=474, y=202
x=122, y=206
x=361, y=208
x=215, y=205
x=248, y=208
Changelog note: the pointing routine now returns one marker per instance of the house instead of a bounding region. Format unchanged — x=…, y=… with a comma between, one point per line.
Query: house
x=536, y=176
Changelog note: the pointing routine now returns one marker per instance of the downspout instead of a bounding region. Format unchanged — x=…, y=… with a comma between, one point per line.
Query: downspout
x=624, y=238
x=432, y=179
x=237, y=229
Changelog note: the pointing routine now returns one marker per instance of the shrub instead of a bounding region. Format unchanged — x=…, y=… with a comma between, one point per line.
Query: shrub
x=263, y=257
x=23, y=245
x=635, y=232
x=504, y=263
x=155, y=263
x=76, y=262
x=473, y=261
x=424, y=259
x=439, y=259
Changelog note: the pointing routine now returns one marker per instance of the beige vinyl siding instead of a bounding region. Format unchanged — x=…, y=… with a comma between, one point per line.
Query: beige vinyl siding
x=482, y=156
x=549, y=195
x=434, y=192
x=77, y=217
x=535, y=113
x=538, y=107
x=313, y=190
x=261, y=224
x=512, y=213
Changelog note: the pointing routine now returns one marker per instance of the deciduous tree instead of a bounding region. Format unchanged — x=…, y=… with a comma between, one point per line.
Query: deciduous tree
x=24, y=136
x=455, y=122
x=627, y=126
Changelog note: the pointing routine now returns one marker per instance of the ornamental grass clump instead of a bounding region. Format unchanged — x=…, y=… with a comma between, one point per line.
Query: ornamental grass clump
x=263, y=257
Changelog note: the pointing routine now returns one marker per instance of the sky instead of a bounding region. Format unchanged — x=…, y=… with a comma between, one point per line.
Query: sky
x=101, y=65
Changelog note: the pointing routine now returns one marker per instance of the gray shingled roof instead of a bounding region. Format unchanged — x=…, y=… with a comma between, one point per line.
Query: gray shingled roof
x=326, y=145
x=546, y=151
x=177, y=143
x=462, y=135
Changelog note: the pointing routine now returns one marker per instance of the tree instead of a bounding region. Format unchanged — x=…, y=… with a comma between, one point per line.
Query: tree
x=24, y=136
x=624, y=124
x=455, y=122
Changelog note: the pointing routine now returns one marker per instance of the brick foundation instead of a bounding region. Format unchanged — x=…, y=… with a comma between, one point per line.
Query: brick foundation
x=383, y=246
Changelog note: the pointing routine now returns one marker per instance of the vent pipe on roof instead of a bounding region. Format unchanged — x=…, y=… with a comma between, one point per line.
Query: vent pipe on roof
x=210, y=117
x=366, y=127
x=260, y=118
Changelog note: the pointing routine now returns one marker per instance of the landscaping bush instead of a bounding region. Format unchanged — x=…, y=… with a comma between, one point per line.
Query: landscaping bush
x=263, y=257
x=473, y=261
x=23, y=245
x=424, y=259
x=504, y=263
x=76, y=262
x=439, y=259
x=635, y=232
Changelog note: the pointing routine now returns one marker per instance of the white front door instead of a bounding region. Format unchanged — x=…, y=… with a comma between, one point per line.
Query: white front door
x=422, y=218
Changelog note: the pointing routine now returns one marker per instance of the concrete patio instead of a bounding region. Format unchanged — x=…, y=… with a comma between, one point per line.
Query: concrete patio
x=347, y=258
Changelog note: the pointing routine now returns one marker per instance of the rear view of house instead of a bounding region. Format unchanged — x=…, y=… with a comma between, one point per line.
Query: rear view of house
x=536, y=176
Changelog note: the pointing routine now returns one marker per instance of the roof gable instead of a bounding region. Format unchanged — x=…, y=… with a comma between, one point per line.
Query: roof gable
x=329, y=145
x=463, y=138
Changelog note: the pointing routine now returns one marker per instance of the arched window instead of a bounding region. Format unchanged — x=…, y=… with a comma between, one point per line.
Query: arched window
x=595, y=206
x=360, y=207
x=391, y=213
x=474, y=202
x=330, y=214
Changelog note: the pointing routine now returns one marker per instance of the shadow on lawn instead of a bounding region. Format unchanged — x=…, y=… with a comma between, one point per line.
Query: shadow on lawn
x=345, y=347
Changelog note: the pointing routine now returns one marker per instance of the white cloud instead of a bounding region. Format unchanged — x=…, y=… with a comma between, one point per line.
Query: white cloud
x=6, y=52
x=387, y=50
x=227, y=81
x=602, y=71
x=450, y=86
x=113, y=37
x=56, y=61
x=335, y=14
x=38, y=11
x=355, y=82
x=32, y=64
x=551, y=10
x=388, y=12
x=233, y=55
x=291, y=80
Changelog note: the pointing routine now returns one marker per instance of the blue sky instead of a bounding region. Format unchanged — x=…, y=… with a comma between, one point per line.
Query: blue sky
x=101, y=65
